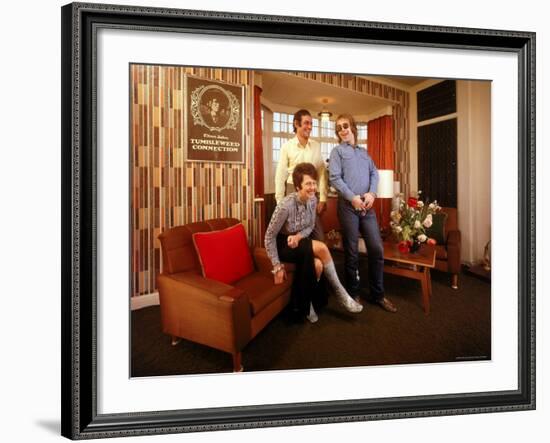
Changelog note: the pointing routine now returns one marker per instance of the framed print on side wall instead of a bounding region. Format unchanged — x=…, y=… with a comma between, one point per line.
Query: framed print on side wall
x=100, y=42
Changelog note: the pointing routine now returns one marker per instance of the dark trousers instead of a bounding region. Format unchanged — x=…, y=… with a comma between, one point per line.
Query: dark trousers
x=354, y=223
x=305, y=287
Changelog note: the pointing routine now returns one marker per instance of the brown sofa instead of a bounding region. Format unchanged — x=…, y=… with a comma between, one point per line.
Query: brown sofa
x=447, y=255
x=209, y=312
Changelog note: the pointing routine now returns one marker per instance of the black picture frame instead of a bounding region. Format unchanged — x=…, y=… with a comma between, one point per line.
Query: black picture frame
x=79, y=214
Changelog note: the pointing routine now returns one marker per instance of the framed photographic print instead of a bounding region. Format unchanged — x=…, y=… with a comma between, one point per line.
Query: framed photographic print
x=176, y=131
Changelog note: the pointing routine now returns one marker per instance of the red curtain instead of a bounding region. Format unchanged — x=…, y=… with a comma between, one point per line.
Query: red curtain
x=380, y=147
x=259, y=159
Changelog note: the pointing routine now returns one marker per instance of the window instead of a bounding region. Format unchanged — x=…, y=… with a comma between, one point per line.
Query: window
x=362, y=134
x=276, y=145
x=283, y=130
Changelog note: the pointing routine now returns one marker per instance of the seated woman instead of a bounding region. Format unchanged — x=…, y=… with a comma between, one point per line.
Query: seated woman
x=287, y=239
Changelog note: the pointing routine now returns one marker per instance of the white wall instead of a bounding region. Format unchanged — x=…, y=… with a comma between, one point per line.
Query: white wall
x=30, y=223
x=474, y=166
x=473, y=116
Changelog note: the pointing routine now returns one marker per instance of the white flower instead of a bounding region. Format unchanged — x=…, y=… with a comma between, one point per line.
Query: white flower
x=431, y=206
x=417, y=224
x=419, y=204
x=398, y=229
x=428, y=221
x=422, y=238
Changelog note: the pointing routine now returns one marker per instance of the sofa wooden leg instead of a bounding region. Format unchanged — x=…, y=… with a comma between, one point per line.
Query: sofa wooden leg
x=237, y=366
x=175, y=340
x=454, y=283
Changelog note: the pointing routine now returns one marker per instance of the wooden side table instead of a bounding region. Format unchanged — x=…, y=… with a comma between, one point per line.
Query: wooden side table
x=416, y=266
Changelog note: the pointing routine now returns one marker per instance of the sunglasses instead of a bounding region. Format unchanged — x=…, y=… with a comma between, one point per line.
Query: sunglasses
x=342, y=126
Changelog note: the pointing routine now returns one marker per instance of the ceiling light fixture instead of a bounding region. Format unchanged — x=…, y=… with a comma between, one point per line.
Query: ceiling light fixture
x=324, y=114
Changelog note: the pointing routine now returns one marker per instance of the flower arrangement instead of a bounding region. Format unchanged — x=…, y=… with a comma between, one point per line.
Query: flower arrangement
x=410, y=222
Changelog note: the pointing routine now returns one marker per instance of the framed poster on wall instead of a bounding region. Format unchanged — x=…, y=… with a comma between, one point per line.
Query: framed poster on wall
x=215, y=121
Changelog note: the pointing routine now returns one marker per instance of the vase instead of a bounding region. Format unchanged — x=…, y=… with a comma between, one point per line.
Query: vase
x=415, y=246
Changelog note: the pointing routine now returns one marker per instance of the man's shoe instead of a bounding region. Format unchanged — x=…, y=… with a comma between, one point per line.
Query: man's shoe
x=387, y=305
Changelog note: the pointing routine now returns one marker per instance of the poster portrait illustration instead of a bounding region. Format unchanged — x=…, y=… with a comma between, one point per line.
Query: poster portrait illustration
x=215, y=119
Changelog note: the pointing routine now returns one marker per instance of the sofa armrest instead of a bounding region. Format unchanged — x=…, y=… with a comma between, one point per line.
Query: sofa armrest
x=205, y=311
x=453, y=251
x=210, y=288
x=261, y=259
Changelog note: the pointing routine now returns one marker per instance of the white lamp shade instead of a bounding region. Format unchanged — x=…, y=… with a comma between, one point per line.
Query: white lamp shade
x=385, y=183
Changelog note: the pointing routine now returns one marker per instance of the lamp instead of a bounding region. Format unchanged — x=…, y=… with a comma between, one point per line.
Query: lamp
x=385, y=190
x=324, y=114
x=385, y=184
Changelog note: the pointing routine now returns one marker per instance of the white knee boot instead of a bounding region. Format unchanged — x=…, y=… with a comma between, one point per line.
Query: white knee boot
x=343, y=297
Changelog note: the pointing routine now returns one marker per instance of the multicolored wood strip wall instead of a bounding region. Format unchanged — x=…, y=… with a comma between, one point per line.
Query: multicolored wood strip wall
x=167, y=191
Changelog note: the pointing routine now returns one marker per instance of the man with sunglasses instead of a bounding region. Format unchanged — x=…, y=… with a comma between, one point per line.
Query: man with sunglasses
x=301, y=149
x=353, y=174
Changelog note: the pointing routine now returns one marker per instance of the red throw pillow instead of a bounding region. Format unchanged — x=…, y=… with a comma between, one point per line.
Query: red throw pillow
x=224, y=255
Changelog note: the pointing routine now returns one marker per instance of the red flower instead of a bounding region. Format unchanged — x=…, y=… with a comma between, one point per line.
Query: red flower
x=403, y=247
x=412, y=202
x=431, y=241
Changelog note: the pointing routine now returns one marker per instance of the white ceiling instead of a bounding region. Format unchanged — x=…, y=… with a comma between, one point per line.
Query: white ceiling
x=291, y=91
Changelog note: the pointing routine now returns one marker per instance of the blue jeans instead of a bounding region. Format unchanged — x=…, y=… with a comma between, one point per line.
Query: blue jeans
x=354, y=223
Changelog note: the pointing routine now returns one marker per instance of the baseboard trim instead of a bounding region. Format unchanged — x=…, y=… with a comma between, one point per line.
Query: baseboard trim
x=144, y=301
